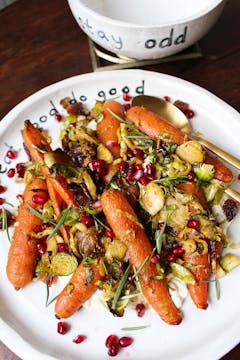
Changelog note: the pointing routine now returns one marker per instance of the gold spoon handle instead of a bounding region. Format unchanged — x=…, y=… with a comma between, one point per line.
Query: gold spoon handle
x=233, y=194
x=222, y=154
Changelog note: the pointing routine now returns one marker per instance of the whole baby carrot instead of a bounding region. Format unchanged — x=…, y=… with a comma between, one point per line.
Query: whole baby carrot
x=125, y=224
x=108, y=126
x=23, y=250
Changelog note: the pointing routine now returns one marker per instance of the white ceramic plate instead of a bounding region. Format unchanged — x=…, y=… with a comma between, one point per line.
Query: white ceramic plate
x=29, y=328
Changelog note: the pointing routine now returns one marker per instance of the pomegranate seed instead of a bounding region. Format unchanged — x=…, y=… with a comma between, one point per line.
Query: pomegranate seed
x=99, y=162
x=138, y=153
x=111, y=143
x=58, y=117
x=110, y=340
x=125, y=341
x=129, y=153
x=189, y=113
x=91, y=165
x=101, y=170
x=138, y=167
x=2, y=200
x=160, y=226
x=109, y=233
x=126, y=97
x=155, y=259
x=171, y=257
x=127, y=107
x=20, y=170
x=113, y=349
x=129, y=175
x=2, y=189
x=87, y=220
x=238, y=176
x=193, y=224
x=131, y=278
x=37, y=229
x=138, y=175
x=39, y=199
x=191, y=176
x=11, y=173
x=62, y=327
x=79, y=338
x=61, y=247
x=140, y=308
x=166, y=98
x=97, y=205
x=149, y=169
x=178, y=251
x=123, y=166
x=45, y=225
x=41, y=248
x=144, y=180
x=151, y=177
x=12, y=154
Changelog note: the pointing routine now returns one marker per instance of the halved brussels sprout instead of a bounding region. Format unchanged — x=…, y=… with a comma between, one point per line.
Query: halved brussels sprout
x=182, y=273
x=104, y=154
x=152, y=198
x=63, y=264
x=190, y=151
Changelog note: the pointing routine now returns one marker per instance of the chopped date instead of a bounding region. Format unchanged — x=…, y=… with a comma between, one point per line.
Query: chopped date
x=230, y=209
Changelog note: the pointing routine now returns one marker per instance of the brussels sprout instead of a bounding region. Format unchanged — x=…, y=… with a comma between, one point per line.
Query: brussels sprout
x=190, y=151
x=104, y=154
x=152, y=198
x=204, y=172
x=182, y=273
x=229, y=261
x=116, y=249
x=63, y=264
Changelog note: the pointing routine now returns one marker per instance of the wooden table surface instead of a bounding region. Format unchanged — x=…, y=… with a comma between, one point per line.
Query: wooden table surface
x=40, y=43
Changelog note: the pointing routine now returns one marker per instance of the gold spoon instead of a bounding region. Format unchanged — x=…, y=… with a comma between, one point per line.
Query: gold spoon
x=175, y=116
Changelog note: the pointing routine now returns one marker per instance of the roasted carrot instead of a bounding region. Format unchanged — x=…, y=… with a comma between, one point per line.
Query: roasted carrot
x=200, y=268
x=23, y=250
x=126, y=227
x=195, y=190
x=108, y=126
x=154, y=126
x=79, y=289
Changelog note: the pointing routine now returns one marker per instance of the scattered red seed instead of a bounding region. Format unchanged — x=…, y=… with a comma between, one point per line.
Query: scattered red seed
x=12, y=154
x=37, y=229
x=41, y=247
x=140, y=308
x=125, y=341
x=109, y=233
x=193, y=224
x=166, y=98
x=39, y=199
x=127, y=107
x=2, y=189
x=97, y=205
x=129, y=175
x=137, y=175
x=155, y=259
x=144, y=180
x=138, y=153
x=61, y=247
x=11, y=173
x=171, y=257
x=178, y=251
x=110, y=340
x=151, y=177
x=79, y=339
x=129, y=153
x=45, y=225
x=238, y=176
x=160, y=226
x=113, y=349
x=126, y=97
x=62, y=327
x=87, y=220
x=58, y=117
x=189, y=113
x=149, y=169
x=123, y=166
x=20, y=170
x=2, y=200
x=191, y=176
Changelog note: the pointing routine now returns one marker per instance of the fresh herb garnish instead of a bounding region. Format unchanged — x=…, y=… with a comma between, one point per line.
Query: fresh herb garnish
x=130, y=296
x=171, y=179
x=119, y=118
x=5, y=223
x=120, y=287
x=134, y=328
x=60, y=222
x=47, y=303
x=89, y=277
x=40, y=216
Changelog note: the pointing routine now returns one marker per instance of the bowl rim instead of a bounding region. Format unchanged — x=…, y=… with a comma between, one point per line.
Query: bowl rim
x=109, y=20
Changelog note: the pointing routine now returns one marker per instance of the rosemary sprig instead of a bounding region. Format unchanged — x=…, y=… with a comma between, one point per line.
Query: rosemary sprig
x=134, y=328
x=4, y=223
x=130, y=296
x=170, y=179
x=47, y=303
x=118, y=117
x=40, y=216
x=96, y=220
x=159, y=235
x=137, y=281
x=60, y=222
x=120, y=287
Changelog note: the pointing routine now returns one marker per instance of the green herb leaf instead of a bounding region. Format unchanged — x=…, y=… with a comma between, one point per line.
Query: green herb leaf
x=5, y=223
x=39, y=215
x=52, y=300
x=89, y=277
x=217, y=288
x=119, y=118
x=60, y=222
x=171, y=179
x=135, y=328
x=130, y=296
x=120, y=287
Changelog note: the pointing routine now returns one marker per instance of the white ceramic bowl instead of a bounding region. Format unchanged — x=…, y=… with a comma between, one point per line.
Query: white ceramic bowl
x=146, y=29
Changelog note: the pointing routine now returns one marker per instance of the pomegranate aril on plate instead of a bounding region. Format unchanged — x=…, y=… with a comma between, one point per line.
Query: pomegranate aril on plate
x=79, y=339
x=193, y=224
x=39, y=199
x=110, y=340
x=87, y=220
x=113, y=349
x=125, y=341
x=62, y=327
x=58, y=117
x=2, y=200
x=11, y=173
x=2, y=189
x=140, y=308
x=12, y=154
